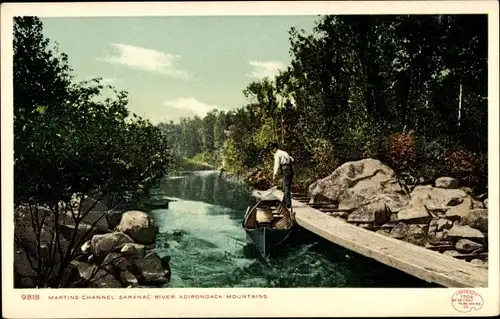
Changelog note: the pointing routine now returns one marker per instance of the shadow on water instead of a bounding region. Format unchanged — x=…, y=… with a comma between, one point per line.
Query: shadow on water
x=202, y=233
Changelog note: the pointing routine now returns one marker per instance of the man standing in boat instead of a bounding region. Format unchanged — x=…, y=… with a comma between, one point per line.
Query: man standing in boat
x=283, y=162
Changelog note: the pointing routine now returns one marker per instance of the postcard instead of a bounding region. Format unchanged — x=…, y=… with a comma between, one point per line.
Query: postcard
x=243, y=159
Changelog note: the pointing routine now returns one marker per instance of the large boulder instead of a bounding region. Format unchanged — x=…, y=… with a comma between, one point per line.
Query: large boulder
x=468, y=246
x=81, y=233
x=399, y=231
x=150, y=270
x=447, y=182
x=392, y=202
x=133, y=250
x=139, y=226
x=436, y=237
x=459, y=231
x=128, y=279
x=115, y=215
x=106, y=281
x=24, y=273
x=437, y=228
x=30, y=220
x=461, y=210
x=102, y=245
x=116, y=263
x=45, y=246
x=412, y=233
x=94, y=217
x=417, y=234
x=414, y=213
x=26, y=218
x=437, y=199
x=353, y=184
x=476, y=218
x=81, y=274
x=375, y=212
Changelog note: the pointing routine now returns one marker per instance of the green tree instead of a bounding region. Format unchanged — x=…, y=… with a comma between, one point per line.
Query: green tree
x=354, y=82
x=69, y=141
x=220, y=128
x=208, y=131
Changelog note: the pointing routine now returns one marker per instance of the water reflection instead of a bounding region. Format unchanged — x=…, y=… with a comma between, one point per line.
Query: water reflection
x=211, y=188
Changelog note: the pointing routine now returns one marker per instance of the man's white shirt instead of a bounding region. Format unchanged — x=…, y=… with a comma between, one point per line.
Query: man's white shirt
x=281, y=158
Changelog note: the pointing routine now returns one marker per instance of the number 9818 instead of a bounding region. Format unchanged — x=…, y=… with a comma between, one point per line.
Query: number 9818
x=30, y=297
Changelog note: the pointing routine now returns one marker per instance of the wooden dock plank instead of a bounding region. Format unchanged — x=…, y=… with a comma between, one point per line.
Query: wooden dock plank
x=420, y=262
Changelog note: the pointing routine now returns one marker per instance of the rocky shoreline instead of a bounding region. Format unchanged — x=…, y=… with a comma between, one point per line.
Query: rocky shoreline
x=442, y=217
x=109, y=248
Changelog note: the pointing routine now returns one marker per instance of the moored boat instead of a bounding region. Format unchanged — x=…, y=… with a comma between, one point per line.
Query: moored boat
x=268, y=224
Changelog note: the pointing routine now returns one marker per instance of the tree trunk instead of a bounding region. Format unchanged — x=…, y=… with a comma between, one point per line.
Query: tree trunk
x=460, y=103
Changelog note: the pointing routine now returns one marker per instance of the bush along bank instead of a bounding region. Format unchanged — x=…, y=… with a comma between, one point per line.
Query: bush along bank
x=442, y=217
x=86, y=245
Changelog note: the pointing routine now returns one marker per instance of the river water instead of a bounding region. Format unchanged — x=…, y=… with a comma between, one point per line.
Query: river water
x=201, y=231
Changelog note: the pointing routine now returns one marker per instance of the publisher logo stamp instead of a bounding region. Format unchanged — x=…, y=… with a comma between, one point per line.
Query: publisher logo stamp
x=465, y=300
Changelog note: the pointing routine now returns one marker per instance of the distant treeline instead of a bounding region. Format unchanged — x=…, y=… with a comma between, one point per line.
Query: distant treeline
x=408, y=90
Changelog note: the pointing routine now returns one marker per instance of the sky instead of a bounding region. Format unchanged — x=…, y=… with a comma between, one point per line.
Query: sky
x=175, y=67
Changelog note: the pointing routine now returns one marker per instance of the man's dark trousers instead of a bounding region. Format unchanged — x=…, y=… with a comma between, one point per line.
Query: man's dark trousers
x=287, y=171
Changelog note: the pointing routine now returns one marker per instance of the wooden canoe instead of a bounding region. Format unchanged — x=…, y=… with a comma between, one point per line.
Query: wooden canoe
x=269, y=235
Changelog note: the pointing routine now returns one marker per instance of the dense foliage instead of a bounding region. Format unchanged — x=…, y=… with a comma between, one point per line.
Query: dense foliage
x=68, y=139
x=69, y=142
x=408, y=90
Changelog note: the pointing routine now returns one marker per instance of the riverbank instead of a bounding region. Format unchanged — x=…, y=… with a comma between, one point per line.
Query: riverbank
x=86, y=245
x=442, y=217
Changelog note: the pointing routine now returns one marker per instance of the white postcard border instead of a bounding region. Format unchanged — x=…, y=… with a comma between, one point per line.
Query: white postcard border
x=290, y=302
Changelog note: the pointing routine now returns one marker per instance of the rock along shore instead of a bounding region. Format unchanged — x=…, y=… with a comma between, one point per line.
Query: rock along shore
x=441, y=217
x=115, y=247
